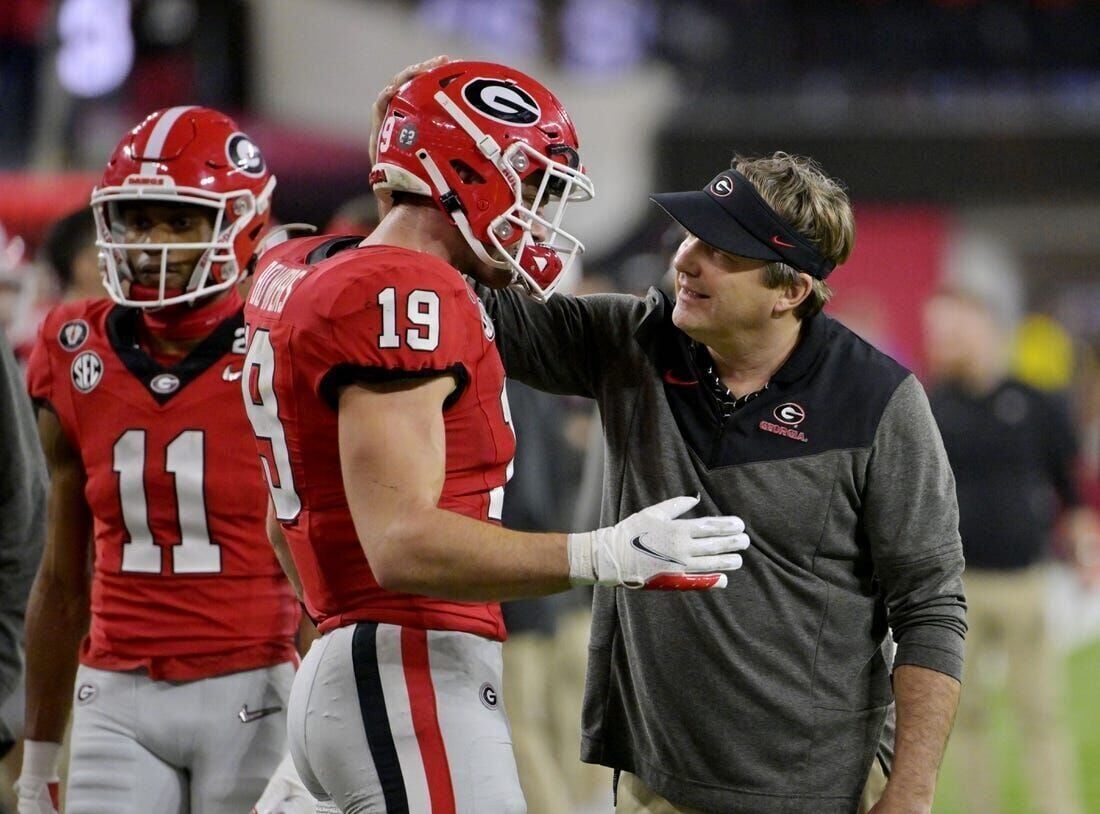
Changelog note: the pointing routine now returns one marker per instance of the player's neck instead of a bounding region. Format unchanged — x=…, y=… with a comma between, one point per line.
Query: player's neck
x=170, y=333
x=420, y=228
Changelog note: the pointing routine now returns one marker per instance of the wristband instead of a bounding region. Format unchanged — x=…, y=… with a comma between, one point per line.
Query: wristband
x=582, y=566
x=40, y=759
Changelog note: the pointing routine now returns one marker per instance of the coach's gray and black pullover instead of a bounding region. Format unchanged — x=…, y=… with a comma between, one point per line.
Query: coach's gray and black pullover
x=770, y=695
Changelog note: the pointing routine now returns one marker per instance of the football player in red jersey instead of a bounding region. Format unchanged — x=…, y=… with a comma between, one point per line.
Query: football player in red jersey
x=185, y=624
x=376, y=397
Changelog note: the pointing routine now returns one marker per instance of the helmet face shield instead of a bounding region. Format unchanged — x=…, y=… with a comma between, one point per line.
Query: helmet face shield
x=215, y=270
x=181, y=157
x=522, y=234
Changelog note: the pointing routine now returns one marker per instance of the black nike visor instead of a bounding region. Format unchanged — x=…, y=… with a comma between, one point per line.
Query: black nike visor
x=729, y=214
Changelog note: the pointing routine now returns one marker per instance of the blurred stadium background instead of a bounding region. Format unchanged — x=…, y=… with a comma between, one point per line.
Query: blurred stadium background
x=968, y=132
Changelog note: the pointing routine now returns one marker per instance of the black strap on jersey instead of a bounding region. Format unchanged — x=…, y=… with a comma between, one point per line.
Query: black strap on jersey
x=332, y=247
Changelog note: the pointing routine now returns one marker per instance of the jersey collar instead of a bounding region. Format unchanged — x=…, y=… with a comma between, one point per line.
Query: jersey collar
x=122, y=324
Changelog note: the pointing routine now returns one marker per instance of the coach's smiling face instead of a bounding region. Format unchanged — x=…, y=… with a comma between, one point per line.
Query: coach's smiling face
x=718, y=294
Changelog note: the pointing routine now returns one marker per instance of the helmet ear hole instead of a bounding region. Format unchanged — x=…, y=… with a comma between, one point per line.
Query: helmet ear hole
x=466, y=173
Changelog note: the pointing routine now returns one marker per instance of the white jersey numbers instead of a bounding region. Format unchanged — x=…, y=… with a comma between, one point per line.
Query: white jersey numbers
x=258, y=385
x=496, y=494
x=184, y=460
x=421, y=309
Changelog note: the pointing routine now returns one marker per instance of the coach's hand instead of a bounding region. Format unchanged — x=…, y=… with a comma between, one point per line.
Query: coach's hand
x=378, y=112
x=285, y=793
x=652, y=549
x=36, y=788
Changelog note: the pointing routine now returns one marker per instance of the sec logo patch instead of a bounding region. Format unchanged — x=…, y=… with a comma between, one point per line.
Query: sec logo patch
x=86, y=371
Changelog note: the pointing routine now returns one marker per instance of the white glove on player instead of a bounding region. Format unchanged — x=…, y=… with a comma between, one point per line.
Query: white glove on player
x=652, y=549
x=285, y=793
x=37, y=787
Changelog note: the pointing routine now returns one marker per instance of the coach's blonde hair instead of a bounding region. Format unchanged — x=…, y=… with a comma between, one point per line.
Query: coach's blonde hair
x=816, y=205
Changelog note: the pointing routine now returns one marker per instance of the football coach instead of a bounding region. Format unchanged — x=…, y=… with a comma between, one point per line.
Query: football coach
x=770, y=696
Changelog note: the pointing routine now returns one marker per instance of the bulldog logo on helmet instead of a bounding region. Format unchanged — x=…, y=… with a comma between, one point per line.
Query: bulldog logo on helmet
x=244, y=154
x=502, y=101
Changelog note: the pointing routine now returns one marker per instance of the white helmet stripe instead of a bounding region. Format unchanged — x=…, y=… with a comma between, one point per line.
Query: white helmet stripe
x=159, y=135
x=486, y=143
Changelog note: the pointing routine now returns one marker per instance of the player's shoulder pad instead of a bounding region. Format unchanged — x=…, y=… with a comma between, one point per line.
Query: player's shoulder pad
x=69, y=325
x=352, y=279
x=299, y=251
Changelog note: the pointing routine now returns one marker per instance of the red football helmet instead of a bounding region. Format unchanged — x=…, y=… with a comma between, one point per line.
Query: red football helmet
x=194, y=156
x=498, y=154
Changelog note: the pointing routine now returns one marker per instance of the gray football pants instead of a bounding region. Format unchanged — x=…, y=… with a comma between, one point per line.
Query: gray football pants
x=141, y=746
x=396, y=720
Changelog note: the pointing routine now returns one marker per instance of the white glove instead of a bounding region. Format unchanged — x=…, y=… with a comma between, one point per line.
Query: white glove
x=652, y=549
x=37, y=786
x=285, y=793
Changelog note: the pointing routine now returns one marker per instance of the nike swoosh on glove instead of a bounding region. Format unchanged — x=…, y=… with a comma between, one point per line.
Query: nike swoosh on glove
x=653, y=549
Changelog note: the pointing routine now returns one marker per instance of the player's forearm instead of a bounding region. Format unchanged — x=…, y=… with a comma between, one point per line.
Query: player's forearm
x=439, y=553
x=57, y=620
x=926, y=704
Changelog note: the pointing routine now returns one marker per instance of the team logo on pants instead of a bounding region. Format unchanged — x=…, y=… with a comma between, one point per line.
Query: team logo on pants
x=85, y=693
x=489, y=696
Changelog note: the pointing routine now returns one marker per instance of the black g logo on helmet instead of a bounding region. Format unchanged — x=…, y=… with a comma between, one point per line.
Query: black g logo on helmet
x=502, y=101
x=244, y=154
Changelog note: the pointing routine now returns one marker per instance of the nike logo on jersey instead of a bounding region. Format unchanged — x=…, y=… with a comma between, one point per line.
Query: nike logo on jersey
x=638, y=544
x=231, y=375
x=247, y=715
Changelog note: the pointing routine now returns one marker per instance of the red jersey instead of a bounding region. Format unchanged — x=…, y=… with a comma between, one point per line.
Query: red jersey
x=185, y=583
x=323, y=313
